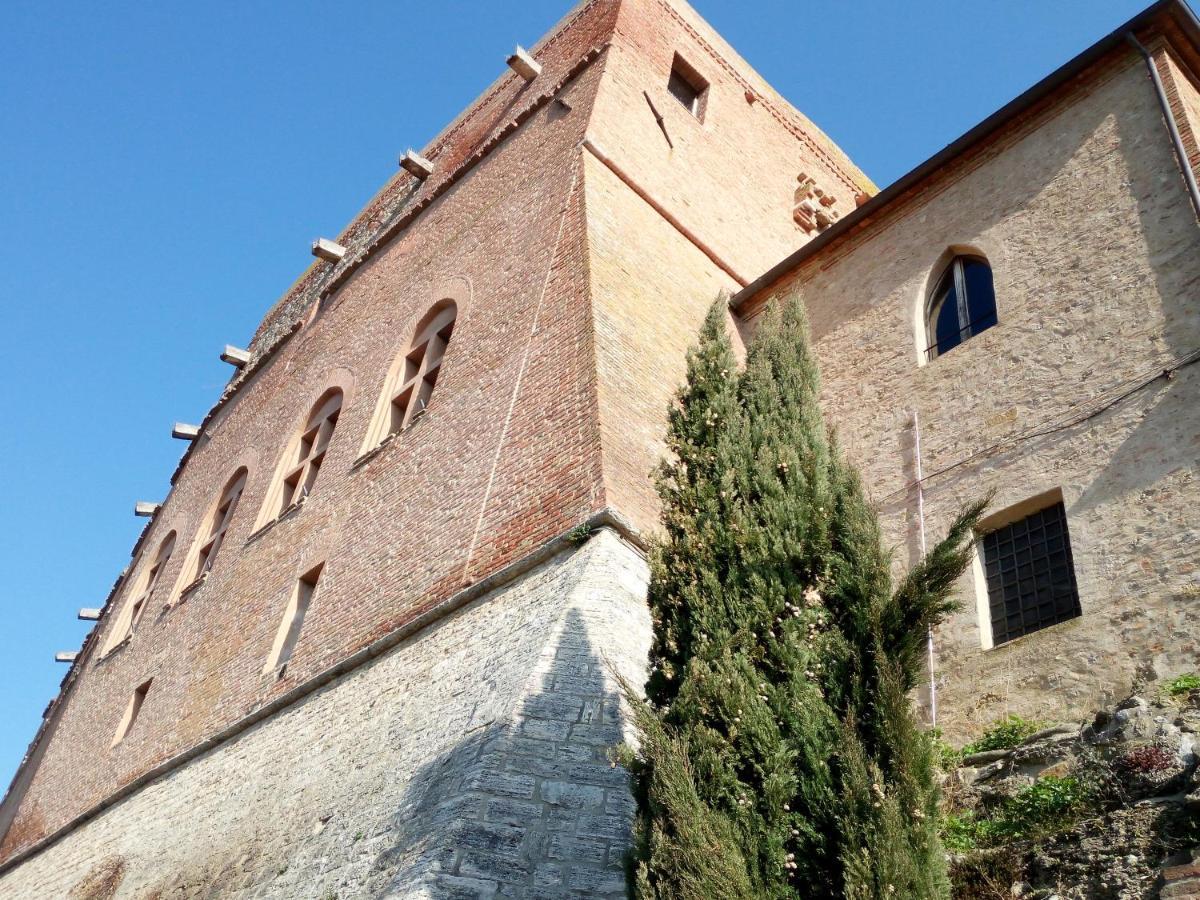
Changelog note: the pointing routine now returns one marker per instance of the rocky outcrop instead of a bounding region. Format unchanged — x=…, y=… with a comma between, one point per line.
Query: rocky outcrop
x=1091, y=811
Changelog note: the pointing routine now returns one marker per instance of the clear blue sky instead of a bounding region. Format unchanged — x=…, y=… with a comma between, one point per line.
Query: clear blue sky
x=164, y=167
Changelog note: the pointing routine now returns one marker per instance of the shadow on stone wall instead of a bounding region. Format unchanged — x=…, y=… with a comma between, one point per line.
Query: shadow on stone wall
x=528, y=808
x=1163, y=441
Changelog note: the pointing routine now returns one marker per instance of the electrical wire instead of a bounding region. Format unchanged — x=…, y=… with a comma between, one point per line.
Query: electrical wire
x=1100, y=404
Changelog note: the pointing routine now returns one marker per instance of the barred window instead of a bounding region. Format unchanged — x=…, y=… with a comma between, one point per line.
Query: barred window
x=1030, y=574
x=962, y=304
x=688, y=86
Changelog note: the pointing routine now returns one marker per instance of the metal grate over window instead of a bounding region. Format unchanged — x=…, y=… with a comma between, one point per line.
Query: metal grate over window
x=1030, y=574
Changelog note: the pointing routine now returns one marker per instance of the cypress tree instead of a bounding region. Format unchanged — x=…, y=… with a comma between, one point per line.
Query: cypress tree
x=779, y=754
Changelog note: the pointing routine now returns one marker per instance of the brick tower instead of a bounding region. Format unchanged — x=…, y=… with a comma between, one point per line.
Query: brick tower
x=366, y=645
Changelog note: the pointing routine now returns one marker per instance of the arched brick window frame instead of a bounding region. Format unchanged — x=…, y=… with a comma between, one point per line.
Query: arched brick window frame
x=143, y=596
x=213, y=531
x=296, y=476
x=414, y=375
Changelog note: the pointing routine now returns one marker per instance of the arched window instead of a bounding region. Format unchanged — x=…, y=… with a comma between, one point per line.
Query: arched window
x=308, y=453
x=962, y=304
x=219, y=524
x=132, y=613
x=413, y=377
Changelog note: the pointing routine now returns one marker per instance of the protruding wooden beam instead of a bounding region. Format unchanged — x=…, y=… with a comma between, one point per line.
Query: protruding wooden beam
x=89, y=615
x=330, y=251
x=145, y=508
x=185, y=432
x=415, y=164
x=524, y=64
x=235, y=356
x=66, y=656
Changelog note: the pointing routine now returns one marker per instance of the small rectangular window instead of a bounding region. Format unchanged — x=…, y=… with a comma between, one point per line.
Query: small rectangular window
x=1029, y=574
x=132, y=709
x=688, y=87
x=293, y=620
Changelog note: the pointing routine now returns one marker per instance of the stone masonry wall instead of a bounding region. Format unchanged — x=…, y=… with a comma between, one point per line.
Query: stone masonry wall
x=470, y=761
x=1083, y=215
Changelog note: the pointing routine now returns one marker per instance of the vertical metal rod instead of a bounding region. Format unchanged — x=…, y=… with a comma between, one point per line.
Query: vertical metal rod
x=921, y=525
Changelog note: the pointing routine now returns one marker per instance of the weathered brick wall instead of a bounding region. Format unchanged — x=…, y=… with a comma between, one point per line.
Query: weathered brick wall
x=468, y=761
x=1093, y=243
x=505, y=459
x=728, y=181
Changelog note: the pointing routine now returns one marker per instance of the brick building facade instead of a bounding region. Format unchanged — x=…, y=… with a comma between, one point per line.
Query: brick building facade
x=367, y=646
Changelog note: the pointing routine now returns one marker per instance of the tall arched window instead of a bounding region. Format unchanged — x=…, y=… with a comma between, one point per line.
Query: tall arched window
x=307, y=454
x=962, y=304
x=219, y=523
x=414, y=375
x=132, y=613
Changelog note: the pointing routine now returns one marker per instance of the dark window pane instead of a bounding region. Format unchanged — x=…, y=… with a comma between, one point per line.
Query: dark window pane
x=944, y=314
x=981, y=296
x=1031, y=576
x=683, y=91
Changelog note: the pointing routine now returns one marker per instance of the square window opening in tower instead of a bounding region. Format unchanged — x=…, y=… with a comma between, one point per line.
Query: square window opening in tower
x=688, y=87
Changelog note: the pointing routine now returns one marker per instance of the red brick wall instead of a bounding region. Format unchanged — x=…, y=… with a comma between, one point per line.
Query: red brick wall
x=402, y=530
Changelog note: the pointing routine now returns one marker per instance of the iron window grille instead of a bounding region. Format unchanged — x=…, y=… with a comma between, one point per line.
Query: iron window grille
x=1030, y=574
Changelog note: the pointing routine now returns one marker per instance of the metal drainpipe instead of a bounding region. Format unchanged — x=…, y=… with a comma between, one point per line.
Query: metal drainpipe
x=1180, y=153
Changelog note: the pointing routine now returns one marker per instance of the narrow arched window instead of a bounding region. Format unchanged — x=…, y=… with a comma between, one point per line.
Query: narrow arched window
x=308, y=453
x=132, y=613
x=410, y=384
x=962, y=304
x=219, y=523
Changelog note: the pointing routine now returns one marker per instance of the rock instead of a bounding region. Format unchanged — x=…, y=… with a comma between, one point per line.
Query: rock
x=988, y=772
x=1061, y=732
x=985, y=756
x=1021, y=889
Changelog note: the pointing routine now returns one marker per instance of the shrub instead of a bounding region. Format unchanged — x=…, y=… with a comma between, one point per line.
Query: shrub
x=1182, y=685
x=1047, y=805
x=948, y=759
x=1146, y=760
x=1004, y=735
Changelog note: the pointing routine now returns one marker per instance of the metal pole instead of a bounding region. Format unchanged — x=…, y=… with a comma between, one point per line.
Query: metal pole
x=921, y=524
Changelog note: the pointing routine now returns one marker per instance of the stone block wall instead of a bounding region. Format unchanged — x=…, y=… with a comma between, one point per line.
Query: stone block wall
x=1081, y=210
x=469, y=761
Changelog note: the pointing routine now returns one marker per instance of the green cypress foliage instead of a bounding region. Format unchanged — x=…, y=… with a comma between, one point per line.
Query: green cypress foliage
x=779, y=754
